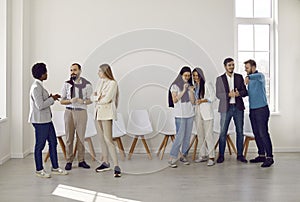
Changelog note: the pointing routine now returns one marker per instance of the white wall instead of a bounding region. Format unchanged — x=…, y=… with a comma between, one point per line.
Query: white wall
x=285, y=127
x=62, y=32
x=114, y=32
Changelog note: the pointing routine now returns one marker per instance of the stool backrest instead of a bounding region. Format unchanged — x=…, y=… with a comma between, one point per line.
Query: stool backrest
x=139, y=123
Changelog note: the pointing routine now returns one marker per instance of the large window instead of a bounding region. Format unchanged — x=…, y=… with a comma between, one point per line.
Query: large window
x=255, y=39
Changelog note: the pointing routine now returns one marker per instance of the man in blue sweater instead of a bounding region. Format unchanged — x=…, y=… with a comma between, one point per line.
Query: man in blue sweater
x=259, y=114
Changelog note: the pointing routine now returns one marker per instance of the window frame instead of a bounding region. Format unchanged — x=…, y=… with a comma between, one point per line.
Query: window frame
x=273, y=44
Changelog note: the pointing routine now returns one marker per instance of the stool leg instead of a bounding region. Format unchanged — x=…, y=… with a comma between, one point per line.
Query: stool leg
x=121, y=150
x=192, y=142
x=92, y=150
x=47, y=156
x=146, y=147
x=172, y=138
x=161, y=145
x=62, y=145
x=232, y=145
x=246, y=145
x=164, y=148
x=132, y=147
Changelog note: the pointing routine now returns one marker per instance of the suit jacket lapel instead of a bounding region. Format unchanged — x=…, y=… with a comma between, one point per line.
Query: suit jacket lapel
x=225, y=83
x=235, y=81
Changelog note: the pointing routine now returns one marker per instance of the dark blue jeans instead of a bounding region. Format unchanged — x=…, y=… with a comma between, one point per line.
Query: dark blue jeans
x=238, y=118
x=259, y=121
x=43, y=132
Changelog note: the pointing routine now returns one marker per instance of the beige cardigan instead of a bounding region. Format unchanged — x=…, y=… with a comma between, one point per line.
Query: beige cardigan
x=105, y=100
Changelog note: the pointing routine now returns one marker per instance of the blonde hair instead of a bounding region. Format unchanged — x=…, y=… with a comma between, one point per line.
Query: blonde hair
x=106, y=69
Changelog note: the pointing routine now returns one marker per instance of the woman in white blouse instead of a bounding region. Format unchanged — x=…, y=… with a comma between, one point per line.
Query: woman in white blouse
x=106, y=98
x=181, y=98
x=204, y=116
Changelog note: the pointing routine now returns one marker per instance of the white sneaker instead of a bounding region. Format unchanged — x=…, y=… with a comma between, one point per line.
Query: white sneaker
x=59, y=171
x=201, y=159
x=210, y=162
x=184, y=161
x=172, y=163
x=42, y=173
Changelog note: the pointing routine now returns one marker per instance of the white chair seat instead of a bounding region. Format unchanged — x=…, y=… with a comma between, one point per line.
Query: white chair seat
x=139, y=123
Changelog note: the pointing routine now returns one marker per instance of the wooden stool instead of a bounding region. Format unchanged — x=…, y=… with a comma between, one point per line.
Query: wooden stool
x=164, y=144
x=134, y=144
x=246, y=144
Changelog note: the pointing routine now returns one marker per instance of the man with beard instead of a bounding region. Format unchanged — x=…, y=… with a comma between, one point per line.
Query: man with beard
x=230, y=90
x=76, y=95
x=259, y=114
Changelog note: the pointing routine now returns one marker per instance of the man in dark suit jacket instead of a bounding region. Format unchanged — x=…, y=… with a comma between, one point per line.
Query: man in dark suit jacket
x=230, y=90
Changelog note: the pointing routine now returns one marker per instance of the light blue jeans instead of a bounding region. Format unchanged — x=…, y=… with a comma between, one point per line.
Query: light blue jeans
x=184, y=128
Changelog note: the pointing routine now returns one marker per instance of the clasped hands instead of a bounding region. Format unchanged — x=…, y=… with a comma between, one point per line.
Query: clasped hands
x=234, y=93
x=55, y=97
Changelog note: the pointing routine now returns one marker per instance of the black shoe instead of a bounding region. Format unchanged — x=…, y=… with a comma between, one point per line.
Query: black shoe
x=83, y=165
x=241, y=158
x=259, y=159
x=220, y=159
x=268, y=162
x=68, y=166
x=103, y=167
x=117, y=171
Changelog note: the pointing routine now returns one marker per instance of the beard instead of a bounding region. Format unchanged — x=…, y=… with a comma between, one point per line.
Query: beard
x=73, y=77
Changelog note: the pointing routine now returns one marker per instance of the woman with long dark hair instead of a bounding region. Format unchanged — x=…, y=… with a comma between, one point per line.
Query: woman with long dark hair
x=181, y=97
x=204, y=116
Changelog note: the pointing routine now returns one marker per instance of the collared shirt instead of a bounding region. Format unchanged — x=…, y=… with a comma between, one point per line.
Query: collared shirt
x=182, y=109
x=86, y=93
x=230, y=81
x=40, y=82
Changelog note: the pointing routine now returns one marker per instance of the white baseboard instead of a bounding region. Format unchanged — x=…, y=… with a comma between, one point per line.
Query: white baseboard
x=142, y=150
x=20, y=155
x=4, y=159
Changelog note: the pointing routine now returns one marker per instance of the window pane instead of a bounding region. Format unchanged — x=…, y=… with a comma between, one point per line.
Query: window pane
x=245, y=38
x=262, y=8
x=262, y=61
x=242, y=57
x=244, y=8
x=263, y=65
x=262, y=37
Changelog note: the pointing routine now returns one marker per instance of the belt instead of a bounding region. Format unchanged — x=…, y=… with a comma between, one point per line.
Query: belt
x=74, y=109
x=233, y=104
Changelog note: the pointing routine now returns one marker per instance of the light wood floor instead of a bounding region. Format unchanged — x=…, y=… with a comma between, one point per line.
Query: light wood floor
x=152, y=180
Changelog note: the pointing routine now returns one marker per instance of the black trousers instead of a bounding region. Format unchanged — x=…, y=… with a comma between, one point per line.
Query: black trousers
x=259, y=121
